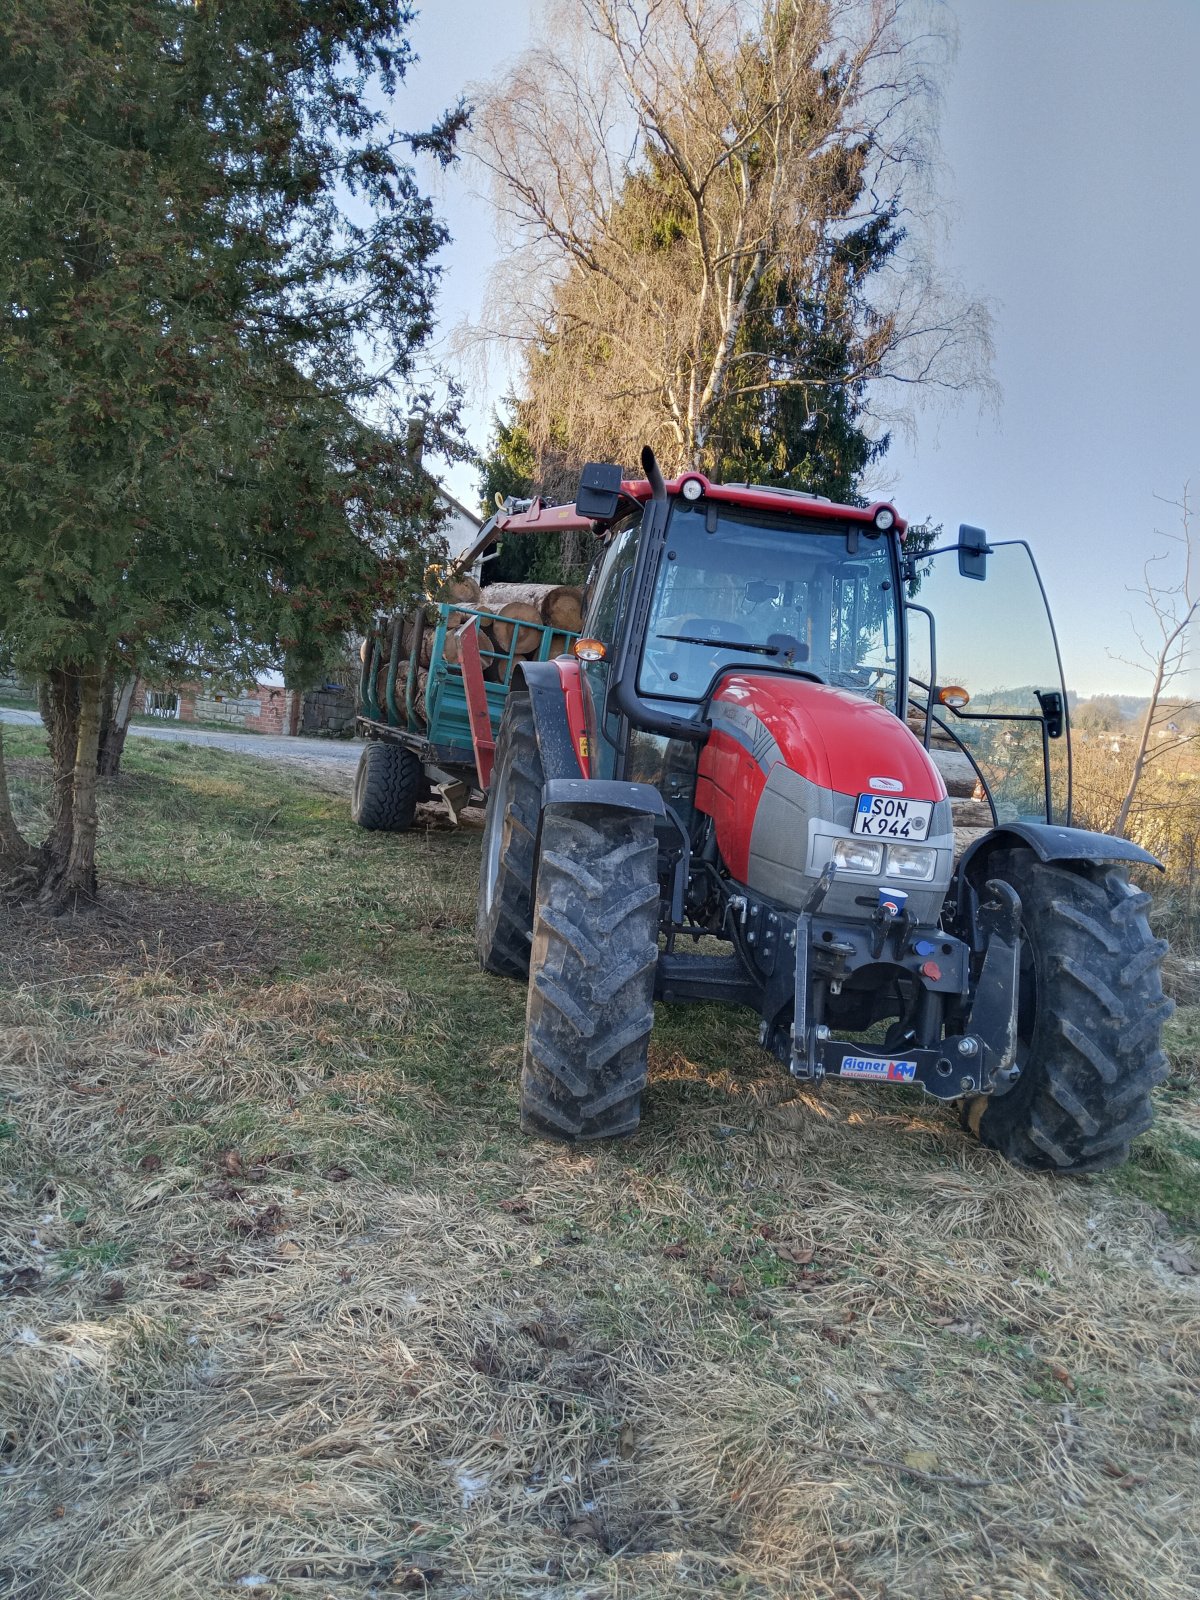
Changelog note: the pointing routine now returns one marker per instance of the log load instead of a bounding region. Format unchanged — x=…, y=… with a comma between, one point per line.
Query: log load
x=957, y=773
x=560, y=605
x=506, y=627
x=562, y=608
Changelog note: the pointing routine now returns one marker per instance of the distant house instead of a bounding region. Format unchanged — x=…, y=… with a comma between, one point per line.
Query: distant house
x=267, y=707
x=461, y=527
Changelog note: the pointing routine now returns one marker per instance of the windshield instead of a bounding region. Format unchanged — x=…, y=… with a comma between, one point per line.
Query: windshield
x=744, y=589
x=995, y=639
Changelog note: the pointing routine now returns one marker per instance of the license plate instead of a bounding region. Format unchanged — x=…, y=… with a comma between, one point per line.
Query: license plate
x=886, y=816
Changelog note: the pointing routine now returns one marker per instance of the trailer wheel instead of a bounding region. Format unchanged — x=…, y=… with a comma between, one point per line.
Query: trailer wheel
x=591, y=975
x=1091, y=1010
x=387, y=786
x=504, y=914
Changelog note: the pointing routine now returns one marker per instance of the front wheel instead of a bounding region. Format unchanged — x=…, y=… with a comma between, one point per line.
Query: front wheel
x=387, y=787
x=1091, y=1010
x=591, y=974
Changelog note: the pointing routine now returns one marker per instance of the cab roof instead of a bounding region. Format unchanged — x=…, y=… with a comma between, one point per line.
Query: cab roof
x=542, y=518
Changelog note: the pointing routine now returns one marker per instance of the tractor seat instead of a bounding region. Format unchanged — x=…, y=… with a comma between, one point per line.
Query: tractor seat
x=717, y=628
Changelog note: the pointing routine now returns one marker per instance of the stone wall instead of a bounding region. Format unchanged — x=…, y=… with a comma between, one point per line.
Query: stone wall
x=328, y=711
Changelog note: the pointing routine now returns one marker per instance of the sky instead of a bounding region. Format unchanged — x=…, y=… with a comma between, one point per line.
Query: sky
x=1072, y=196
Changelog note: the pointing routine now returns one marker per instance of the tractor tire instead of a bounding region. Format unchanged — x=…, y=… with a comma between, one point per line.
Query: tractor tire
x=387, y=786
x=504, y=913
x=1090, y=1016
x=591, y=975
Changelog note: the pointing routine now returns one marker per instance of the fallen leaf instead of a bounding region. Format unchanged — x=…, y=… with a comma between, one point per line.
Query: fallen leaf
x=675, y=1252
x=232, y=1162
x=1060, y=1375
x=835, y=1336
x=738, y=1289
x=86, y=1088
x=584, y=1529
x=1131, y=1480
x=222, y=1189
x=113, y=1291
x=921, y=1460
x=20, y=1280
x=285, y=1160
x=257, y=1223
x=547, y=1334
x=338, y=1174
x=289, y=1248
x=514, y=1205
x=766, y=1231
x=1112, y=1469
x=796, y=1254
x=198, y=1280
x=626, y=1441
x=413, y=1579
x=1178, y=1260
x=150, y=1163
x=180, y=1260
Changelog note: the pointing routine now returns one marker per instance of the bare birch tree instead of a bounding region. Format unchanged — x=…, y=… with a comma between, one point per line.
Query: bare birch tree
x=677, y=178
x=1168, y=650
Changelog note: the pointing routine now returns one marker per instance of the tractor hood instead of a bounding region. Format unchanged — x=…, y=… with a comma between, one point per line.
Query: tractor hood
x=781, y=773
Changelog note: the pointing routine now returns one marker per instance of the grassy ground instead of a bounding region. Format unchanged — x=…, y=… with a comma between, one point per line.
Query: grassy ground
x=294, y=1310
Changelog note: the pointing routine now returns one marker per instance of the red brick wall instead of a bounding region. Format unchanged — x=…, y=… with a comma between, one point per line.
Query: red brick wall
x=257, y=710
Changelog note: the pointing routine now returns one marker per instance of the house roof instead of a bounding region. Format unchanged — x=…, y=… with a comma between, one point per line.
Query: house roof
x=457, y=505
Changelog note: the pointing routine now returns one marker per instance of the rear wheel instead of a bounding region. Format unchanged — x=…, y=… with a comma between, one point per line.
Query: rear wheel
x=387, y=786
x=504, y=914
x=1089, y=1024
x=591, y=975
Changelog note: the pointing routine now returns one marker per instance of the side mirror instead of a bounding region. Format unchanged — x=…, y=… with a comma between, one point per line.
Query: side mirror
x=599, y=491
x=973, y=550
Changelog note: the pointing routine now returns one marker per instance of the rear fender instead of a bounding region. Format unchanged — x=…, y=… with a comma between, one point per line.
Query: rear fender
x=556, y=693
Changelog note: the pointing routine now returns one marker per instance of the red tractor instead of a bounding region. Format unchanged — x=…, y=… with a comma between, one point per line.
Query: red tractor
x=751, y=743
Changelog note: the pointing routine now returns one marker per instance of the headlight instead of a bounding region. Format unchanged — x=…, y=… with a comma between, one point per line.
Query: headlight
x=858, y=855
x=884, y=518
x=692, y=489
x=911, y=861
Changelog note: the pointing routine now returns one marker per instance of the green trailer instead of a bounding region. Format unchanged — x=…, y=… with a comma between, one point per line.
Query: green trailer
x=437, y=737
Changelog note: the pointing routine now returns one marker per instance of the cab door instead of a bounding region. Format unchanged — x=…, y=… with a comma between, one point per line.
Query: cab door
x=605, y=602
x=994, y=639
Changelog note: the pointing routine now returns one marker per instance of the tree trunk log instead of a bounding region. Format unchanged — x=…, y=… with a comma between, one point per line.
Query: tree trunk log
x=498, y=595
x=511, y=616
x=563, y=608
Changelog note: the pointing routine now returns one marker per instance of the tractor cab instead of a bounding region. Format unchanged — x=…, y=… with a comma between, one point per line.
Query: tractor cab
x=796, y=728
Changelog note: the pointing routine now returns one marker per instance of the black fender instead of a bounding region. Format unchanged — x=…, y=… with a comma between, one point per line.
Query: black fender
x=611, y=793
x=555, y=745
x=1049, y=842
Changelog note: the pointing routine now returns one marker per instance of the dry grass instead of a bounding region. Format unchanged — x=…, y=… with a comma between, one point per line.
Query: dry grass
x=294, y=1309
